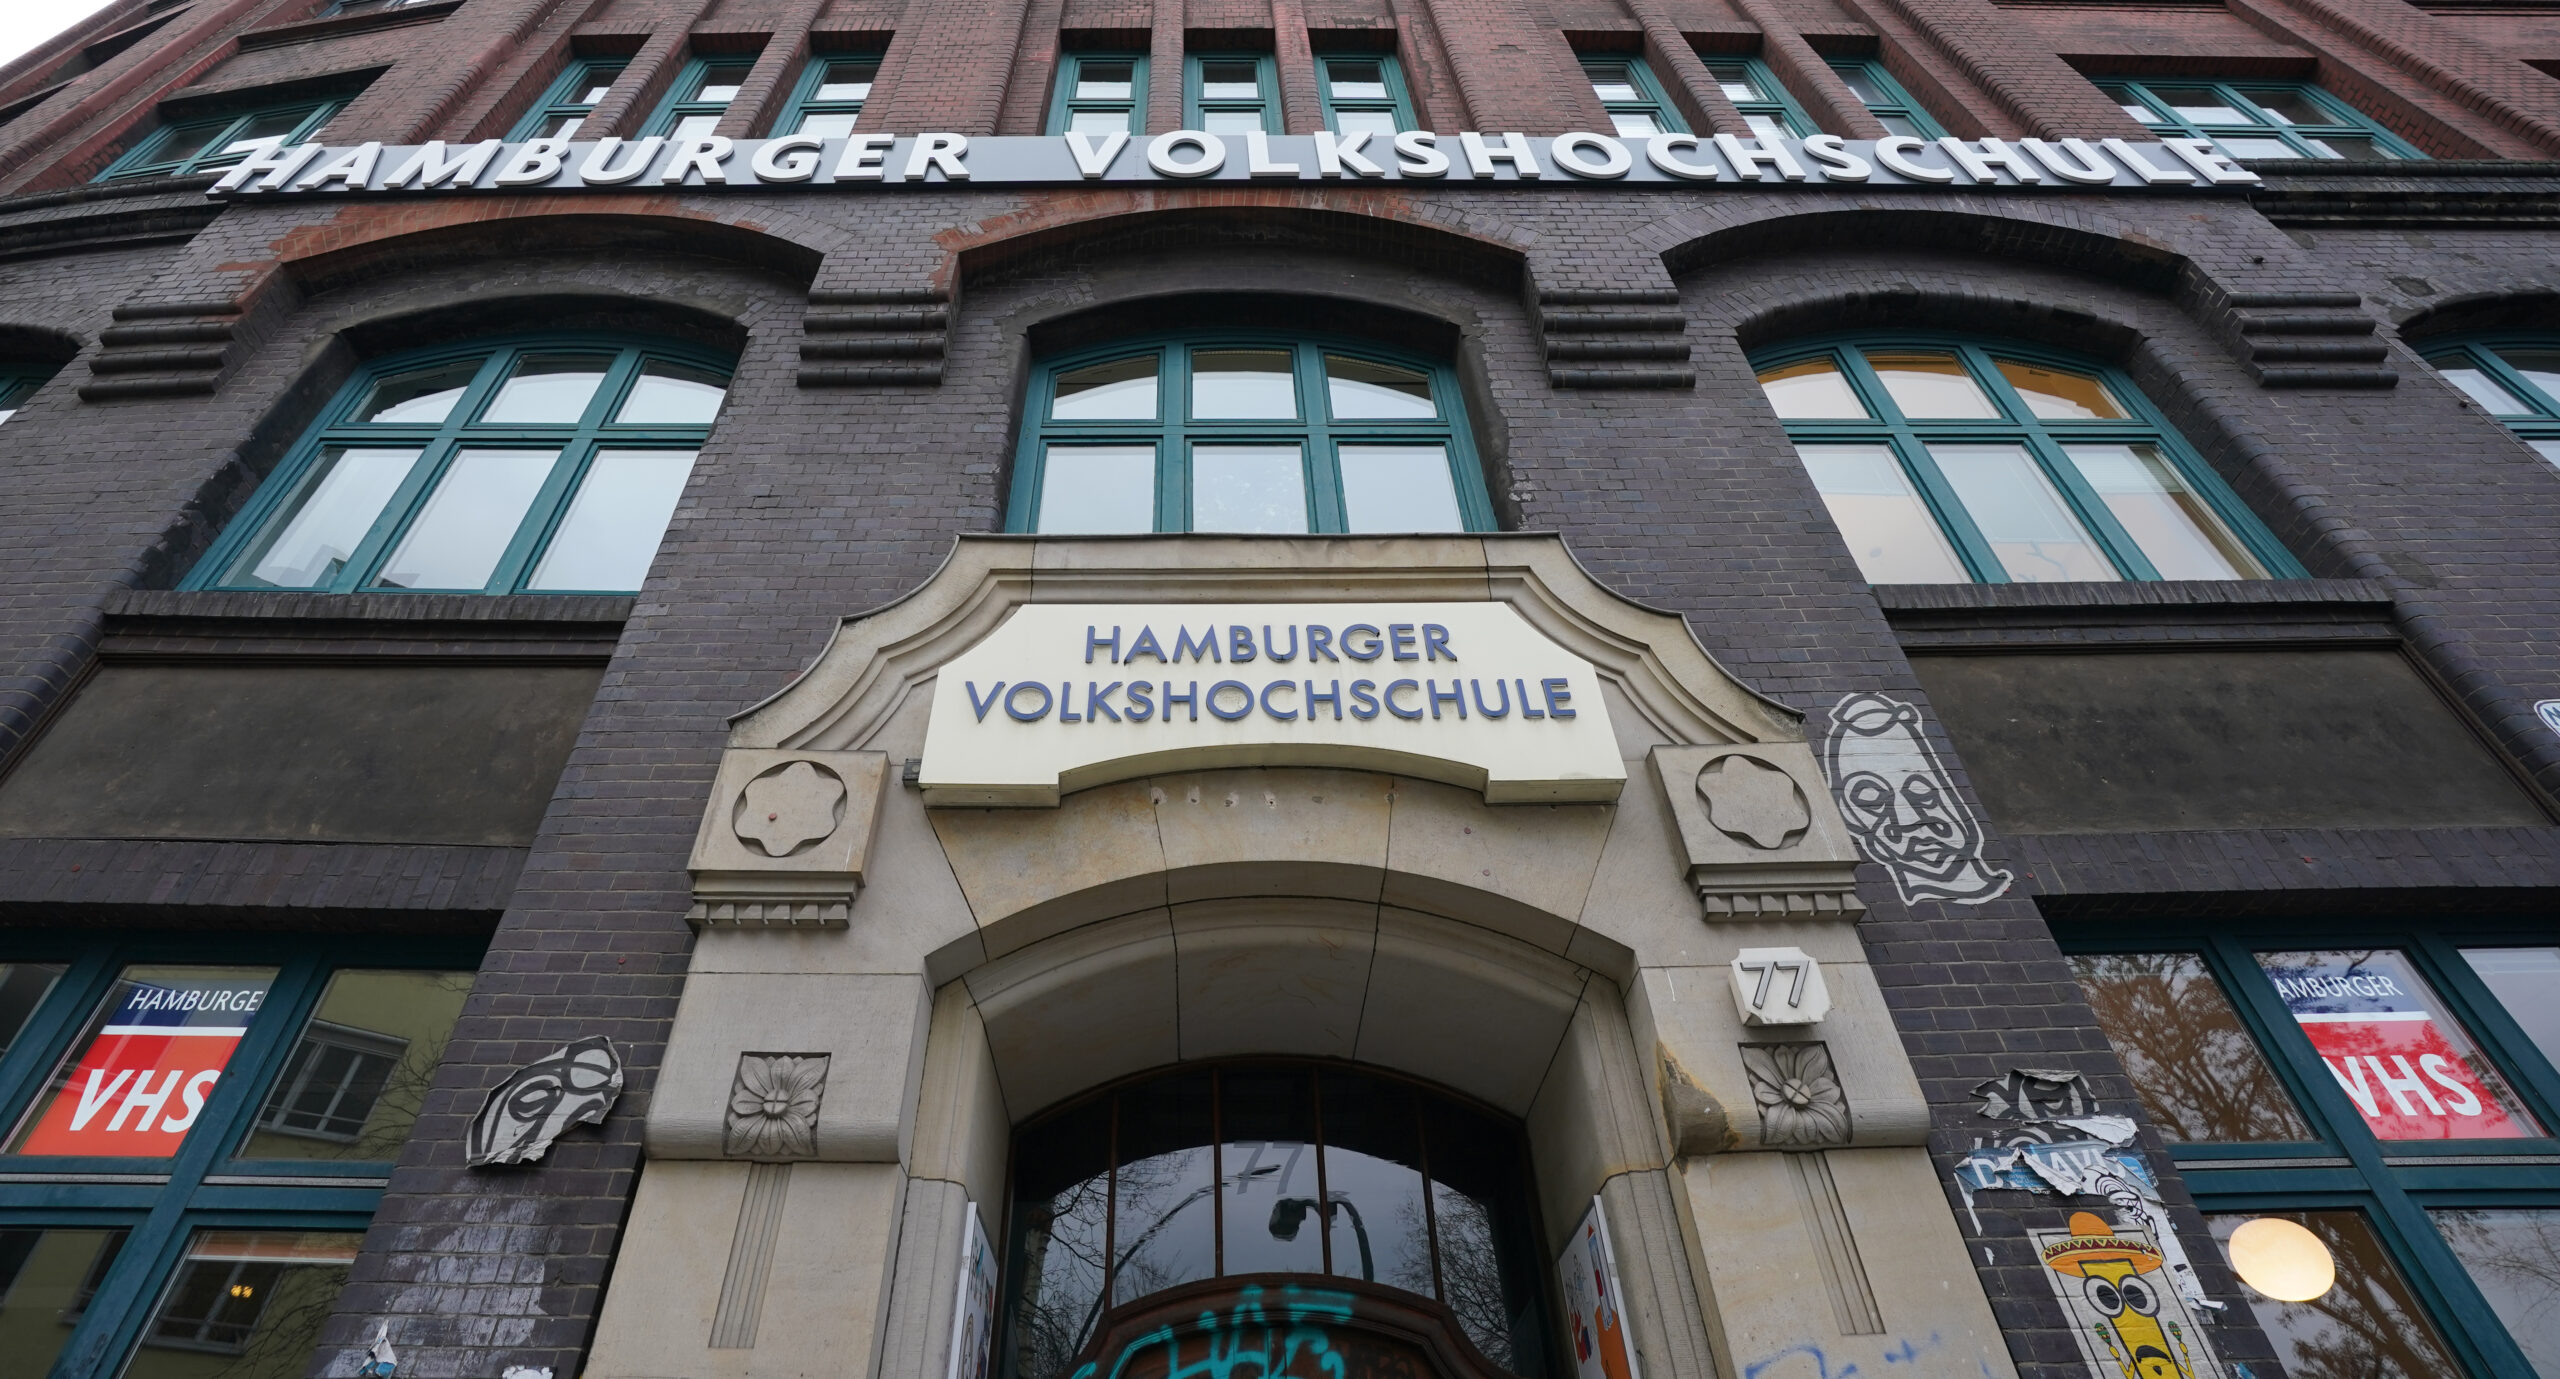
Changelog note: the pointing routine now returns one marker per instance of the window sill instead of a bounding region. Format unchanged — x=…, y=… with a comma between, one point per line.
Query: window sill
x=2127, y=595
x=550, y=610
x=1991, y=617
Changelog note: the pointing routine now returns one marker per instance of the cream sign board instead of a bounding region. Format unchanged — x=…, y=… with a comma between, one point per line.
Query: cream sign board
x=1066, y=696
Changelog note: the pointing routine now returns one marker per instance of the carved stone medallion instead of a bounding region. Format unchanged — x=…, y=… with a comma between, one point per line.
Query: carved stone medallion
x=1799, y=1094
x=773, y=1106
x=790, y=807
x=1754, y=802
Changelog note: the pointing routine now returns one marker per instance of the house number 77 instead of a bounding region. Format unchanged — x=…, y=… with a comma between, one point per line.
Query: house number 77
x=1779, y=986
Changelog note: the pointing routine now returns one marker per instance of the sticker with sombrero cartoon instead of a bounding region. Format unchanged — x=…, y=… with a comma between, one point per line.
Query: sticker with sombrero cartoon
x=2130, y=1323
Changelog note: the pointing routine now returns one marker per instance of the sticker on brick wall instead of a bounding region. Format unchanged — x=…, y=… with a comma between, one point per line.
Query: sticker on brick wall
x=2548, y=710
x=1900, y=806
x=2128, y=1326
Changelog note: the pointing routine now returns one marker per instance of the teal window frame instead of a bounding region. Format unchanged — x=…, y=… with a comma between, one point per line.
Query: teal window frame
x=813, y=75
x=2345, y=1166
x=562, y=100
x=678, y=106
x=1174, y=433
x=1065, y=105
x=1197, y=107
x=17, y=384
x=441, y=441
x=1761, y=95
x=2141, y=100
x=2043, y=438
x=1397, y=105
x=161, y=1203
x=2539, y=424
x=189, y=144
x=1896, y=103
x=1650, y=98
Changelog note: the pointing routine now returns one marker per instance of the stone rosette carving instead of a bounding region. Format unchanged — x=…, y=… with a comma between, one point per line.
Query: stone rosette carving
x=1798, y=1091
x=1753, y=801
x=786, y=839
x=1758, y=831
x=773, y=1106
x=790, y=807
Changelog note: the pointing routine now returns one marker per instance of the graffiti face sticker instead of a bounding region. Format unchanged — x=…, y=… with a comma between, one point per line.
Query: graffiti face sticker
x=2129, y=1325
x=525, y=1113
x=1905, y=814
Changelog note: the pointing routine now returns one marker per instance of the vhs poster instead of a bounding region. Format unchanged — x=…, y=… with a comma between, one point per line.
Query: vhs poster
x=973, y=1310
x=1588, y=1268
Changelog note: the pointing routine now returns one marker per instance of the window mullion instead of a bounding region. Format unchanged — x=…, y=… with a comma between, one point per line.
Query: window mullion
x=1955, y=522
x=434, y=458
x=2501, y=1039
x=2046, y=450
x=542, y=516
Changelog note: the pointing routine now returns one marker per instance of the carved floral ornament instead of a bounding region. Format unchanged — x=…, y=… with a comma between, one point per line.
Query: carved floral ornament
x=773, y=1106
x=1798, y=1092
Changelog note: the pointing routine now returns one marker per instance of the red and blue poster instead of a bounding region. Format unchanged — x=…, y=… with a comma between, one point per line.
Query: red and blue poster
x=148, y=1066
x=2411, y=1070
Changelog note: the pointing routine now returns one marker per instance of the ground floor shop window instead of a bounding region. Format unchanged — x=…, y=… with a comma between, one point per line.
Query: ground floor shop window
x=2365, y=1118
x=200, y=1131
x=1270, y=1168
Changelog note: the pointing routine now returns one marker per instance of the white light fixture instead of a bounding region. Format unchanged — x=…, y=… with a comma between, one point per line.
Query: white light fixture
x=2282, y=1260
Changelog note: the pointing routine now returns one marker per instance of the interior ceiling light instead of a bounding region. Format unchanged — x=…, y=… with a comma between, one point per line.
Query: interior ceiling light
x=2282, y=1260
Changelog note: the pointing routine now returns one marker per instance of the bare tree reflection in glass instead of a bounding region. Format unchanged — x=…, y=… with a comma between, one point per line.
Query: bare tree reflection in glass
x=2513, y=1254
x=2367, y=1326
x=2195, y=1066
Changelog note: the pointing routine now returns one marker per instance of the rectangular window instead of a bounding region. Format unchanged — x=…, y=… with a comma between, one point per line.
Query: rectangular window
x=1626, y=88
x=1100, y=93
x=701, y=96
x=829, y=99
x=1885, y=99
x=1363, y=93
x=1231, y=93
x=1766, y=107
x=2260, y=121
x=208, y=143
x=571, y=97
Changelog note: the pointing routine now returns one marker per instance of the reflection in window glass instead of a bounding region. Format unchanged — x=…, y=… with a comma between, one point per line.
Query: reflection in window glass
x=1122, y=390
x=616, y=521
x=1474, y=1176
x=2540, y=367
x=311, y=540
x=2195, y=1066
x=359, y=1074
x=1092, y=490
x=1398, y=488
x=23, y=987
x=1267, y=1167
x=1098, y=122
x=1364, y=390
x=2015, y=506
x=2178, y=534
x=139, y=1074
x=2513, y=1254
x=418, y=397
x=668, y=394
x=2366, y=1326
x=1353, y=79
x=1931, y=385
x=548, y=389
x=1061, y=1204
x=2411, y=1069
x=1812, y=390
x=2526, y=982
x=2484, y=390
x=1248, y=488
x=1243, y=385
x=1104, y=81
x=1373, y=1185
x=824, y=126
x=255, y=1297
x=2061, y=394
x=1889, y=529
x=1164, y=1222
x=1378, y=123
x=47, y=1277
x=469, y=520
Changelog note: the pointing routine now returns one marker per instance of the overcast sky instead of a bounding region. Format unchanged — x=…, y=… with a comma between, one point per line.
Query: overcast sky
x=26, y=23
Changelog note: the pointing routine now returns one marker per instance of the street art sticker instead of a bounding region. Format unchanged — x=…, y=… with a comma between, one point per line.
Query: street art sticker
x=1900, y=806
x=2384, y=1034
x=516, y=1124
x=2127, y=1325
x=1595, y=1323
x=153, y=1054
x=973, y=1321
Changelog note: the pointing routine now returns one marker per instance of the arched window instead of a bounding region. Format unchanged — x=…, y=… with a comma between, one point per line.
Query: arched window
x=18, y=382
x=1945, y=461
x=1246, y=432
x=1269, y=1168
x=2517, y=377
x=539, y=465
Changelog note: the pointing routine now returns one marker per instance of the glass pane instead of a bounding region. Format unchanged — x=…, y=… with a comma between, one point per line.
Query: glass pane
x=260, y=135
x=2142, y=112
x=2541, y=368
x=1765, y=127
x=468, y=521
x=559, y=126
x=1248, y=488
x=1627, y=125
x=1122, y=390
x=846, y=81
x=1864, y=86
x=827, y=126
x=1268, y=1163
x=2513, y=1254
x=256, y=1298
x=139, y=1073
x=1901, y=126
x=1363, y=390
x=673, y=395
x=1090, y=490
x=2364, y=1325
x=548, y=389
x=1381, y=123
x=310, y=540
x=2254, y=149
x=2484, y=390
x=718, y=84
x=1931, y=385
x=1373, y=1184
x=179, y=142
x=2199, y=1073
x=1356, y=79
x=1165, y=1230
x=1098, y=122
x=2547, y=449
x=46, y=1280
x=1812, y=390
x=1242, y=385
x=1487, y=1272
x=1230, y=80
x=1105, y=81
x=420, y=397
x=1230, y=121
x=1398, y=488
x=615, y=522
x=2291, y=107
x=694, y=127
x=2061, y=394
x=1735, y=80
x=1613, y=84
x=1890, y=531
x=2412, y=1071
x=2201, y=104
x=2526, y=982
x=2017, y=510
x=595, y=94
x=358, y=1076
x=23, y=987
x=2178, y=533
x=2355, y=148
x=1062, y=1187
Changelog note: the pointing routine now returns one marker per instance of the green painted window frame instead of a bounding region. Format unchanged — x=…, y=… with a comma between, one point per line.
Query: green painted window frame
x=1650, y=98
x=163, y=1202
x=1398, y=104
x=1897, y=102
x=441, y=441
x=2539, y=424
x=1265, y=105
x=1769, y=97
x=813, y=75
x=677, y=106
x=1173, y=436
x=18, y=382
x=2346, y=1166
x=2140, y=99
x=2042, y=438
x=1064, y=105
x=561, y=100
x=191, y=144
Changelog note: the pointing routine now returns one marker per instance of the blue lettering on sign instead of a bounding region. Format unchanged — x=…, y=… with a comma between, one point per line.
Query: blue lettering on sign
x=1239, y=687
x=1239, y=644
x=1205, y=649
x=1142, y=704
x=1014, y=708
x=1320, y=643
x=1146, y=645
x=1364, y=699
x=1361, y=629
x=1400, y=637
x=1091, y=642
x=982, y=705
x=1397, y=709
